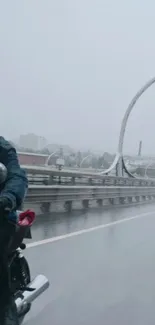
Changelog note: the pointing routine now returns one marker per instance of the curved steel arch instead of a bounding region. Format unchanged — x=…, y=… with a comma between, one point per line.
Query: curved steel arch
x=91, y=155
x=118, y=162
x=49, y=157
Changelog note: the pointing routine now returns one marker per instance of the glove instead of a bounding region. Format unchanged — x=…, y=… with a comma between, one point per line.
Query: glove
x=5, y=205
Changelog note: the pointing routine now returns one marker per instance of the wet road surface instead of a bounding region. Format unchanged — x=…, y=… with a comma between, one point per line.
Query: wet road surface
x=105, y=276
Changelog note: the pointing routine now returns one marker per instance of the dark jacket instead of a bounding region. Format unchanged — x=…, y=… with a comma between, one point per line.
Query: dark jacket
x=16, y=184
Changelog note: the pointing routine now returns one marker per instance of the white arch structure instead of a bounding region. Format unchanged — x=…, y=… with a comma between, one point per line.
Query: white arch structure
x=49, y=157
x=118, y=162
x=85, y=158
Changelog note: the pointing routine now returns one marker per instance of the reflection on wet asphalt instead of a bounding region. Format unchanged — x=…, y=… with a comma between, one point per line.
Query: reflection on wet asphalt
x=102, y=277
x=56, y=224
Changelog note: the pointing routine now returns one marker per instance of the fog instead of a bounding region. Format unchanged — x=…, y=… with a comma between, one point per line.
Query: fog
x=68, y=70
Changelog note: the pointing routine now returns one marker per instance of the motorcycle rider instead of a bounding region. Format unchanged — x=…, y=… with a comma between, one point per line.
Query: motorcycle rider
x=12, y=193
x=13, y=190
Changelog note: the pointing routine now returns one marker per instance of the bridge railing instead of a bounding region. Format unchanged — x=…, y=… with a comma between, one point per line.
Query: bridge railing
x=49, y=176
x=45, y=195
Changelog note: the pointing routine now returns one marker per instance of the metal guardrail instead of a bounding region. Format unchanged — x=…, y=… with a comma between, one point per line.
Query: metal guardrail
x=42, y=194
x=39, y=170
x=38, y=175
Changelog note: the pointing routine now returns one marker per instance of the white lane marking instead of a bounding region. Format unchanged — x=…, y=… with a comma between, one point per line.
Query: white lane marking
x=84, y=231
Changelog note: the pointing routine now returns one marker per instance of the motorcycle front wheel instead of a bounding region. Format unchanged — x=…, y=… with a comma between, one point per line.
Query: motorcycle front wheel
x=9, y=316
x=26, y=278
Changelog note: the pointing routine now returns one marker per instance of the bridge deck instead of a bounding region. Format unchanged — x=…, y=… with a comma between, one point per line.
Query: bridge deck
x=103, y=276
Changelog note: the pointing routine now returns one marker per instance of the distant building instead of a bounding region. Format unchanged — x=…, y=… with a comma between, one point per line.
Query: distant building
x=27, y=158
x=62, y=149
x=42, y=143
x=32, y=141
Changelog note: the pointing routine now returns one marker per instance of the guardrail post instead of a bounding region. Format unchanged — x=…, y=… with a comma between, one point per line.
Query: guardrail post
x=85, y=204
x=130, y=199
x=73, y=180
x=112, y=201
x=45, y=182
x=45, y=207
x=59, y=181
x=122, y=200
x=51, y=180
x=100, y=202
x=68, y=206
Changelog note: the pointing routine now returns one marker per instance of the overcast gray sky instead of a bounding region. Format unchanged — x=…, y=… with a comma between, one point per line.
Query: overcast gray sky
x=68, y=69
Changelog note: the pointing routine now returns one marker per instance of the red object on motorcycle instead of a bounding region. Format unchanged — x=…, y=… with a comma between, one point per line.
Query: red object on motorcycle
x=26, y=218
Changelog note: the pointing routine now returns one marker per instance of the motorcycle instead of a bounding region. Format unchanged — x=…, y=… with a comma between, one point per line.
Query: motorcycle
x=23, y=290
x=15, y=275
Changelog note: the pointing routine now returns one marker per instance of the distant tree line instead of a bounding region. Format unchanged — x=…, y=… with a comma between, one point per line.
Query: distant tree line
x=74, y=159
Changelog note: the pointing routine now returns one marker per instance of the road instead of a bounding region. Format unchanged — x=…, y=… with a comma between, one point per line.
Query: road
x=103, y=275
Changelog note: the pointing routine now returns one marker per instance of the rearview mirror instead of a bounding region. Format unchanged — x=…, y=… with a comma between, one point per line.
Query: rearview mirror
x=3, y=173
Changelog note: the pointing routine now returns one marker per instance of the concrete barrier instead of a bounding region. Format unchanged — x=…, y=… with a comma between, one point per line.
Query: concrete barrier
x=46, y=195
